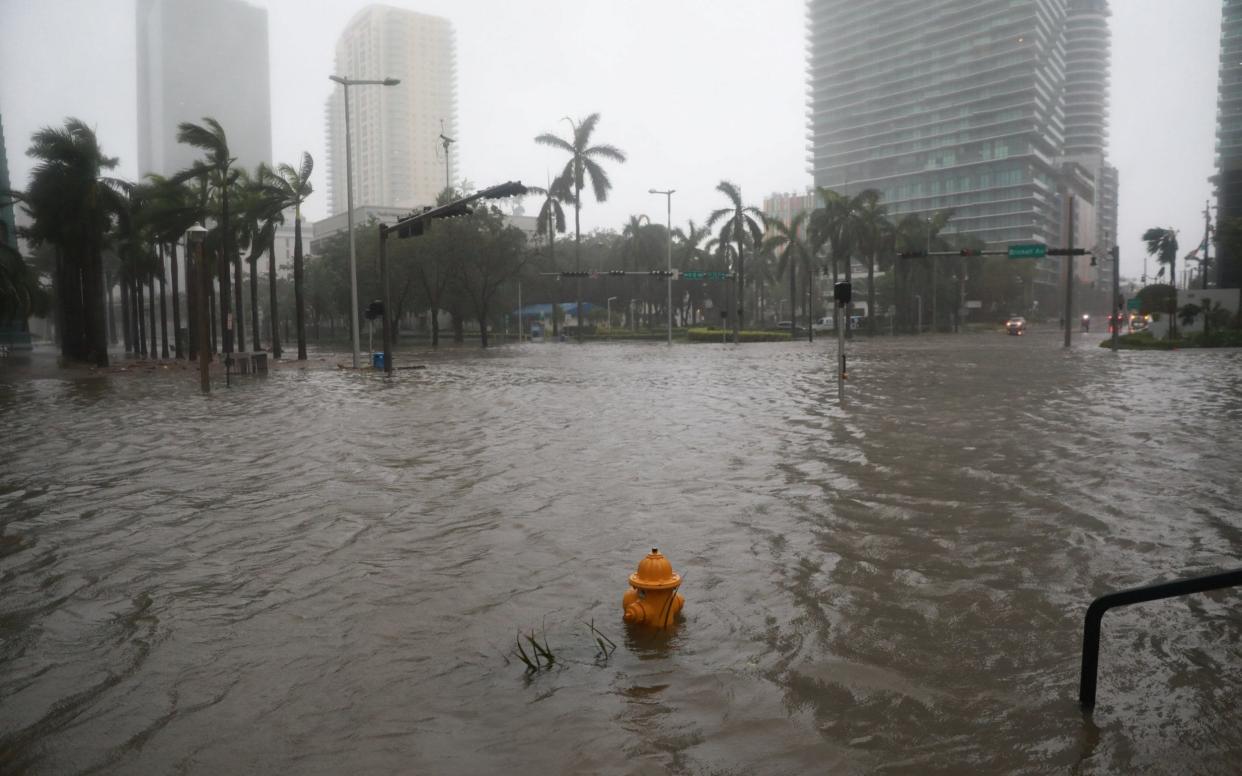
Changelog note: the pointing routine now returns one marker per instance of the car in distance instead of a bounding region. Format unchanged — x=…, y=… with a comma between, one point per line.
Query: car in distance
x=1016, y=325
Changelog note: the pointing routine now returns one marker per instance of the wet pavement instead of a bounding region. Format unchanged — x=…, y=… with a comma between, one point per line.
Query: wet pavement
x=322, y=571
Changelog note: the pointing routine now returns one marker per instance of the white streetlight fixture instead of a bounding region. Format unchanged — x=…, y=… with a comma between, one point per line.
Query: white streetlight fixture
x=668, y=195
x=349, y=202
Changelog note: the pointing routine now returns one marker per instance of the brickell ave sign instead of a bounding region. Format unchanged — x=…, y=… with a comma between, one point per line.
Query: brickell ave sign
x=1028, y=251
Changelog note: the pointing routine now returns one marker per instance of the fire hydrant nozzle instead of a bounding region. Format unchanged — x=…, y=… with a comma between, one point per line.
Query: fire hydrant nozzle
x=652, y=598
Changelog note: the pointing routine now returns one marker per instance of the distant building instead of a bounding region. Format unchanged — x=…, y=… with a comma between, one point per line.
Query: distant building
x=972, y=106
x=333, y=225
x=1228, y=177
x=8, y=223
x=338, y=224
x=398, y=156
x=785, y=207
x=198, y=59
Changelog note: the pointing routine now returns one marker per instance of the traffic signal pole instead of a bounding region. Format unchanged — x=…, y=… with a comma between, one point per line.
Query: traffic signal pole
x=386, y=331
x=1069, y=275
x=1116, y=294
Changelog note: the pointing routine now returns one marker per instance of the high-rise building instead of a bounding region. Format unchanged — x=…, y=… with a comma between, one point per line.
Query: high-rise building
x=396, y=131
x=975, y=106
x=8, y=225
x=1229, y=135
x=198, y=59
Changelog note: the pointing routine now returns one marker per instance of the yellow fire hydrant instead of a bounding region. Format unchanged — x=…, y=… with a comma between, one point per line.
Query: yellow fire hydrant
x=652, y=598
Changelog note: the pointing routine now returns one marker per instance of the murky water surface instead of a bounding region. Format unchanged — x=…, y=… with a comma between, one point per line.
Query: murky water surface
x=324, y=573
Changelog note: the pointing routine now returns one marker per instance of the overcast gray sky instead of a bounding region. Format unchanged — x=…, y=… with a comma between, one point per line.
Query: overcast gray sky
x=693, y=91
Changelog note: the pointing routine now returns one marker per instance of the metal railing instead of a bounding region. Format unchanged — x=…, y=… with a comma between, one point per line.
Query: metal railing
x=1135, y=595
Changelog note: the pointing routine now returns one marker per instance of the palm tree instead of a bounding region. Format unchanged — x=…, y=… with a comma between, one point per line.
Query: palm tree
x=72, y=204
x=633, y=243
x=1162, y=243
x=172, y=211
x=736, y=221
x=551, y=219
x=215, y=170
x=690, y=256
x=294, y=186
x=260, y=212
x=583, y=166
x=792, y=249
x=871, y=230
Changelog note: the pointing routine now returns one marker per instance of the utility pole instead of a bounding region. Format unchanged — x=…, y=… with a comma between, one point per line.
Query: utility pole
x=1069, y=275
x=1116, y=293
x=1207, y=240
x=446, y=141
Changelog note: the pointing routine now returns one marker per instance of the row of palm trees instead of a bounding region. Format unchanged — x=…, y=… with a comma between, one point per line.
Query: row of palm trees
x=841, y=227
x=82, y=215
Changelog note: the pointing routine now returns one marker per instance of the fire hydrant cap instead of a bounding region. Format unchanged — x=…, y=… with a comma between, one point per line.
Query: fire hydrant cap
x=655, y=572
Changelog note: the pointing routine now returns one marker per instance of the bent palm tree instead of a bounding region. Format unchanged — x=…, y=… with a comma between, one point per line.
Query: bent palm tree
x=551, y=219
x=215, y=170
x=736, y=221
x=72, y=204
x=583, y=166
x=1162, y=243
x=789, y=243
x=293, y=186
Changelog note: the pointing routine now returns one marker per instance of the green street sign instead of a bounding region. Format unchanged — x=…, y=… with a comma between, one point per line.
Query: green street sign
x=692, y=275
x=1028, y=251
x=701, y=275
x=1134, y=304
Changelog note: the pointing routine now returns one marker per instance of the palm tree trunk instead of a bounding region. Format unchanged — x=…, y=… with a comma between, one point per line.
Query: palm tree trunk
x=299, y=299
x=578, y=259
x=178, y=344
x=93, y=304
x=140, y=311
x=810, y=301
x=239, y=320
x=254, y=304
x=211, y=307
x=738, y=290
x=273, y=318
x=151, y=307
x=871, y=295
x=112, y=312
x=435, y=327
x=191, y=304
x=125, y=328
x=163, y=310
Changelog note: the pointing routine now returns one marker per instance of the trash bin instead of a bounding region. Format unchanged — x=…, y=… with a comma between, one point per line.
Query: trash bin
x=377, y=360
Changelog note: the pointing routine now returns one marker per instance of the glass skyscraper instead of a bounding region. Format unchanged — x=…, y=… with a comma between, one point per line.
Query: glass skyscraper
x=974, y=105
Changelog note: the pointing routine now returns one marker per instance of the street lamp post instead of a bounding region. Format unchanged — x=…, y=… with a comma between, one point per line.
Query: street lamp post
x=609, y=305
x=349, y=202
x=668, y=195
x=196, y=235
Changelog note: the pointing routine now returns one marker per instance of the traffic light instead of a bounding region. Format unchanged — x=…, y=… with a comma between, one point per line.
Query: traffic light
x=374, y=310
x=842, y=293
x=572, y=274
x=616, y=272
x=912, y=254
x=660, y=273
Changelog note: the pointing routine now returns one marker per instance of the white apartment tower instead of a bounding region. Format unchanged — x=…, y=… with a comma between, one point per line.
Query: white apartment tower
x=398, y=155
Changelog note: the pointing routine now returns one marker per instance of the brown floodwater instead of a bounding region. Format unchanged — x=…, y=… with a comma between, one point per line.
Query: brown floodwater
x=325, y=572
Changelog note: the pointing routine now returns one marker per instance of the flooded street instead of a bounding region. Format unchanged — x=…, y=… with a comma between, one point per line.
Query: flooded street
x=322, y=572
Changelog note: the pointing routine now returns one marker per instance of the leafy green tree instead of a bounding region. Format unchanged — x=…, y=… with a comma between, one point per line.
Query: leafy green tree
x=583, y=167
x=1162, y=244
x=690, y=256
x=497, y=255
x=21, y=293
x=737, y=221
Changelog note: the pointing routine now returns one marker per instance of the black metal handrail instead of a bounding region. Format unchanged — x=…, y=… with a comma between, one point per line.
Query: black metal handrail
x=1135, y=595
